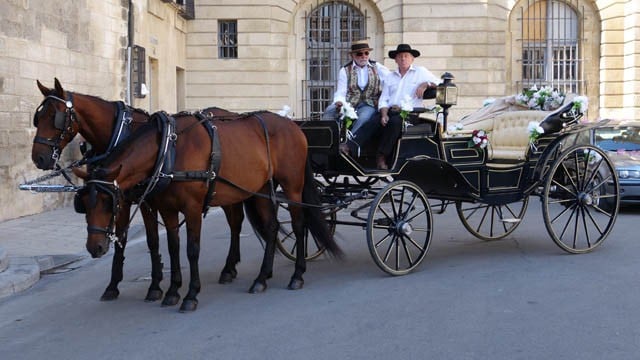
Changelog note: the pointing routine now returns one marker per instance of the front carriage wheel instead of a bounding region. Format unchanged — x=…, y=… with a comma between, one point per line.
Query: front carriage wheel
x=491, y=222
x=580, y=199
x=399, y=227
x=286, y=240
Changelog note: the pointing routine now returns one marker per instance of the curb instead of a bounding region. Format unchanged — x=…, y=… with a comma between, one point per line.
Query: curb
x=20, y=275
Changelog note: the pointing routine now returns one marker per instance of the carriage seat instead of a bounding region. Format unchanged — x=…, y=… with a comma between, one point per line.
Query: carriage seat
x=509, y=139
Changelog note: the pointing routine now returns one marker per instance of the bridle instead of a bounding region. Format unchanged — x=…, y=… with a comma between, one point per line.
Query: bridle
x=110, y=188
x=63, y=121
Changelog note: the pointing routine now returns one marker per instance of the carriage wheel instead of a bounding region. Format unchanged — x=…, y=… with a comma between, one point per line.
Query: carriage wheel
x=580, y=199
x=399, y=227
x=491, y=222
x=287, y=241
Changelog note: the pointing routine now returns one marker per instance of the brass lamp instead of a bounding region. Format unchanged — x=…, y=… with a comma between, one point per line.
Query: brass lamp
x=446, y=95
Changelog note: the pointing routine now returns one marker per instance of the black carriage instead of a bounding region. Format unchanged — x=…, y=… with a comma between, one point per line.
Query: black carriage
x=490, y=188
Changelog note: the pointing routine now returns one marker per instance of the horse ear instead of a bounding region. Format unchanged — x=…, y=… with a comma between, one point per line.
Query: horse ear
x=43, y=89
x=59, y=90
x=82, y=174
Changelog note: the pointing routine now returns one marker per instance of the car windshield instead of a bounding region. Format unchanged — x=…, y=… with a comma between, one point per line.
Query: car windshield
x=619, y=138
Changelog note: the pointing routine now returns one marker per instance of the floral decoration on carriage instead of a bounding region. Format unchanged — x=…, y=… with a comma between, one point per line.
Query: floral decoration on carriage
x=479, y=139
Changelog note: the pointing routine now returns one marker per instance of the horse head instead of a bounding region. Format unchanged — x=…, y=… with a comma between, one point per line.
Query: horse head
x=56, y=123
x=99, y=200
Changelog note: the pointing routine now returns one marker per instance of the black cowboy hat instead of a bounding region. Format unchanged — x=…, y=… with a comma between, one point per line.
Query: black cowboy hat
x=360, y=45
x=403, y=48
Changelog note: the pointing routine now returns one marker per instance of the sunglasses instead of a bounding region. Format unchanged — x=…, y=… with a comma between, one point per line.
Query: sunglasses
x=366, y=53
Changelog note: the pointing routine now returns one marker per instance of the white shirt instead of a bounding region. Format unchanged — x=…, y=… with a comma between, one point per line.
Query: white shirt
x=363, y=79
x=396, y=87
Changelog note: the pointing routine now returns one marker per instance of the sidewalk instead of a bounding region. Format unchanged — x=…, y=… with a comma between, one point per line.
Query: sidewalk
x=34, y=244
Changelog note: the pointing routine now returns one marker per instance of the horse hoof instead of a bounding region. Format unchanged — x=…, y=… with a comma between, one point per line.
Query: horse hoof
x=170, y=300
x=295, y=284
x=258, y=287
x=226, y=278
x=189, y=305
x=110, y=295
x=153, y=295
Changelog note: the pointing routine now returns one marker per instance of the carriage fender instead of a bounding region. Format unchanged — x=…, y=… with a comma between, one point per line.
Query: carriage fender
x=435, y=176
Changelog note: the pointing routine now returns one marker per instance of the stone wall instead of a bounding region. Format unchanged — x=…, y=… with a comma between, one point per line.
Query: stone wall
x=78, y=41
x=83, y=44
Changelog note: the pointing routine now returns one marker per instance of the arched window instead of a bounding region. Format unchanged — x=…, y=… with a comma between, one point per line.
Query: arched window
x=551, y=45
x=330, y=29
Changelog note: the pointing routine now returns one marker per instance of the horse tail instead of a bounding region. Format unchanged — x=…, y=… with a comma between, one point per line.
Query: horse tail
x=314, y=219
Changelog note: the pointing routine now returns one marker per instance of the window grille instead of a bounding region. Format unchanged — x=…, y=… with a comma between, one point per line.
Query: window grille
x=138, y=69
x=551, y=45
x=228, y=39
x=331, y=28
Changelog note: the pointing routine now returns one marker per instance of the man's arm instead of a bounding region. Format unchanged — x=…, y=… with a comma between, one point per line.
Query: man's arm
x=340, y=96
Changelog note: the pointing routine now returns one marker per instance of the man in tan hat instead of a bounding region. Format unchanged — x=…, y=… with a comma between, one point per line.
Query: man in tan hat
x=407, y=84
x=359, y=84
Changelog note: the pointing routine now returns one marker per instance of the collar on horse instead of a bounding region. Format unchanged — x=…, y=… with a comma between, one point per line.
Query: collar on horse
x=121, y=131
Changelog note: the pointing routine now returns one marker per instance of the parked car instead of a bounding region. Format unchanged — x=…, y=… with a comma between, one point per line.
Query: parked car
x=621, y=140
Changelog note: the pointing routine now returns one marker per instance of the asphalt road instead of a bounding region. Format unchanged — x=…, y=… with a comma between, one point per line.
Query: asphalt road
x=518, y=298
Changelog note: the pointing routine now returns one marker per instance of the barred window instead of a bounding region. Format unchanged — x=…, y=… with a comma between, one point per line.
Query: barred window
x=330, y=30
x=228, y=39
x=551, y=46
x=138, y=71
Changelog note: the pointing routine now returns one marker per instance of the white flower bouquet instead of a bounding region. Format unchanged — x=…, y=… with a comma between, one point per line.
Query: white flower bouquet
x=545, y=98
x=406, y=106
x=348, y=115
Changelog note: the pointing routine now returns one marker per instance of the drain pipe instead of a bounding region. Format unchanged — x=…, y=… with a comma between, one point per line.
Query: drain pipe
x=130, y=32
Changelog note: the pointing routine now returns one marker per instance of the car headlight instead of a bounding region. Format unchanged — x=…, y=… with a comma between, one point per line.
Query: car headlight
x=629, y=174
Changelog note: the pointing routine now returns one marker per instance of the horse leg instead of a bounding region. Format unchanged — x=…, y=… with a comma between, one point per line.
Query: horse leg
x=297, y=224
x=194, y=225
x=235, y=216
x=173, y=243
x=117, y=263
x=262, y=215
x=150, y=217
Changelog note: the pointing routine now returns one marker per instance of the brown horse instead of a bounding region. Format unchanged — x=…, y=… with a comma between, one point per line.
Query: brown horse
x=62, y=115
x=253, y=149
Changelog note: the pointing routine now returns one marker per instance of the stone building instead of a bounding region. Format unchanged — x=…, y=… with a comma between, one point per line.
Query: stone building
x=249, y=55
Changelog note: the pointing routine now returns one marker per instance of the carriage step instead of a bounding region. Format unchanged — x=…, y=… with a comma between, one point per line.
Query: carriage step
x=510, y=220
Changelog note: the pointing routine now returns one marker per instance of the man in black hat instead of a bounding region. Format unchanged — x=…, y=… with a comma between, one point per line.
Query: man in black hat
x=359, y=84
x=405, y=86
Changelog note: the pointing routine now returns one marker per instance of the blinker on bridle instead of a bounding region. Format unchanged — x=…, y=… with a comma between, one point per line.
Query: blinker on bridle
x=63, y=121
x=110, y=188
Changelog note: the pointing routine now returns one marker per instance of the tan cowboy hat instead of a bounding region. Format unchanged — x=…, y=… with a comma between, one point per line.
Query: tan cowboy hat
x=403, y=48
x=360, y=45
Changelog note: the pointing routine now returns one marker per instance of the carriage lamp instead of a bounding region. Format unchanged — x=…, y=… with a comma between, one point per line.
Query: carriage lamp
x=446, y=95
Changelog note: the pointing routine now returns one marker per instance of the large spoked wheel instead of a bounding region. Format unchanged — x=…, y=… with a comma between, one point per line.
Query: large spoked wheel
x=580, y=199
x=491, y=222
x=287, y=240
x=399, y=227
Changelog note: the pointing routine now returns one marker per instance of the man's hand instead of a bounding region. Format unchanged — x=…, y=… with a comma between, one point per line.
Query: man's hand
x=384, y=116
x=423, y=87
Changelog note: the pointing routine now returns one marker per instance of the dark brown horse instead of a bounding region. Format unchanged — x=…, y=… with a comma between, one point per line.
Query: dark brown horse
x=253, y=149
x=62, y=115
